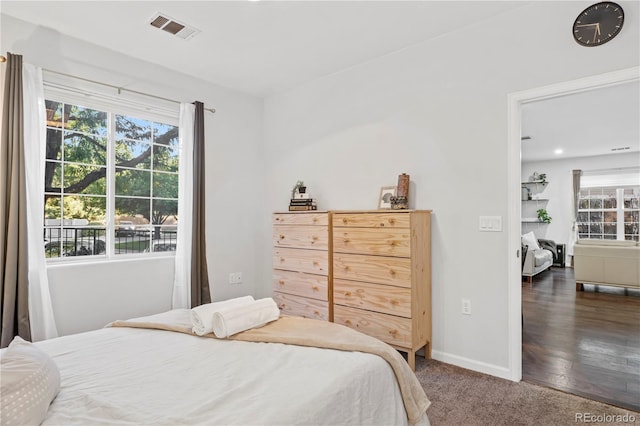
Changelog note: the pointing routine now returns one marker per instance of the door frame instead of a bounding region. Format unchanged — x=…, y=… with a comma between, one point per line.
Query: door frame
x=514, y=111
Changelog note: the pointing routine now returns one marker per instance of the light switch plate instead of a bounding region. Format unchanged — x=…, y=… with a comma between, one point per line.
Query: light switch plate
x=491, y=223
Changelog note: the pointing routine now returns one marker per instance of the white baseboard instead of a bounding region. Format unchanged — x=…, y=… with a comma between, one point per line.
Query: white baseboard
x=470, y=364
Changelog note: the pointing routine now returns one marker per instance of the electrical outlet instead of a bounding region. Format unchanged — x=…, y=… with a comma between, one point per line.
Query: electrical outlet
x=466, y=307
x=235, y=278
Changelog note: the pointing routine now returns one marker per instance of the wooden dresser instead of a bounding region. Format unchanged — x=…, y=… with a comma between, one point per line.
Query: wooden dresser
x=382, y=276
x=301, y=268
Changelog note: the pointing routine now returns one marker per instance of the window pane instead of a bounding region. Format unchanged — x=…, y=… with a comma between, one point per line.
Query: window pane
x=165, y=238
x=135, y=209
x=610, y=202
x=132, y=128
x=52, y=208
x=80, y=179
x=54, y=144
x=52, y=177
x=595, y=203
x=583, y=217
x=164, y=212
x=85, y=120
x=133, y=154
x=165, y=158
x=610, y=229
x=85, y=149
x=610, y=217
x=133, y=182
x=583, y=228
x=165, y=185
x=54, y=113
x=90, y=209
x=595, y=217
x=595, y=228
x=165, y=134
x=583, y=204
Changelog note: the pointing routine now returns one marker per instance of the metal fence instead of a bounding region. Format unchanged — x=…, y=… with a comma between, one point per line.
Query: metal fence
x=91, y=241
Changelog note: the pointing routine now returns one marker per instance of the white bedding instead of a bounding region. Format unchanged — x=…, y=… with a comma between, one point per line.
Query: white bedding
x=127, y=376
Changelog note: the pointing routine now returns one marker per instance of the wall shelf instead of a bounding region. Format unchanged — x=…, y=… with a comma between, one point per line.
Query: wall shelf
x=539, y=199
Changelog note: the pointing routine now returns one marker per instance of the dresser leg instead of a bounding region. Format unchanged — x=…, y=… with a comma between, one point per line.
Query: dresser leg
x=411, y=359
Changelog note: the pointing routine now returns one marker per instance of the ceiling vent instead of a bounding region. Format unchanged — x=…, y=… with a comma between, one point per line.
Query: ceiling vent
x=170, y=25
x=624, y=148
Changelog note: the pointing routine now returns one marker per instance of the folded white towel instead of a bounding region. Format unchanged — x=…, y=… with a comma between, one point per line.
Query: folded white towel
x=202, y=316
x=235, y=319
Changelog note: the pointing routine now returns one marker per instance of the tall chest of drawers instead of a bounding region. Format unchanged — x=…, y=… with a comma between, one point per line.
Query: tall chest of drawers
x=382, y=276
x=301, y=267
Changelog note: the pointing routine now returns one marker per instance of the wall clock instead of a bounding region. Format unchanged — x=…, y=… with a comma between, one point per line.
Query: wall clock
x=598, y=24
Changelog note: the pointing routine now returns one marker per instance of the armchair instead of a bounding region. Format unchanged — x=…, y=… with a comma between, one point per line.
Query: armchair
x=537, y=258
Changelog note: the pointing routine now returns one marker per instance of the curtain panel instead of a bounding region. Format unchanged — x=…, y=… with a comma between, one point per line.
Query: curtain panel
x=200, y=293
x=191, y=282
x=573, y=237
x=14, y=301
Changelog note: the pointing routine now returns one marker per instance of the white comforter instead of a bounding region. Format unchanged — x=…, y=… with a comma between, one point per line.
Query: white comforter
x=126, y=376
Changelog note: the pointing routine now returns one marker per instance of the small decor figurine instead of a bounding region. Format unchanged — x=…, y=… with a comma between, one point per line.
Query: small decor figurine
x=401, y=199
x=300, y=200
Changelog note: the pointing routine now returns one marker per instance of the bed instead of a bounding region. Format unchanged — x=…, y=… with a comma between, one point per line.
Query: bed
x=121, y=375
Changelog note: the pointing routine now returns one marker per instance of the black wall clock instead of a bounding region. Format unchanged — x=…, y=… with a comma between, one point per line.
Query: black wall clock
x=598, y=24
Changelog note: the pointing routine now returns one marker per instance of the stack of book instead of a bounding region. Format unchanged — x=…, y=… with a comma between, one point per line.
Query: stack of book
x=302, y=202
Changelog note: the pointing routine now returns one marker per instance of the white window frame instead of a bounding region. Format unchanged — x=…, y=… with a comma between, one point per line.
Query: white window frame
x=97, y=97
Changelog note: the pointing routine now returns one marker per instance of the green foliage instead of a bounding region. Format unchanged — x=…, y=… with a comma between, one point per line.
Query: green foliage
x=543, y=216
x=299, y=184
x=145, y=152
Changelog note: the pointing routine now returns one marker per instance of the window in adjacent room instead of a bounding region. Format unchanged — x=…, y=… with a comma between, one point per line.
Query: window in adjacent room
x=111, y=182
x=609, y=207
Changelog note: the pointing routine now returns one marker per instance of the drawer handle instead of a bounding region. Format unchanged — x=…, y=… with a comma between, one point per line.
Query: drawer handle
x=282, y=306
x=315, y=219
x=393, y=332
x=348, y=322
x=392, y=221
x=344, y=220
x=314, y=287
x=395, y=302
x=314, y=238
x=316, y=312
x=347, y=293
x=392, y=272
x=282, y=237
x=346, y=240
x=282, y=259
x=281, y=282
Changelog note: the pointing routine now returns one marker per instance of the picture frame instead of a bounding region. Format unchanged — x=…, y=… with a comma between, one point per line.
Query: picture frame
x=386, y=192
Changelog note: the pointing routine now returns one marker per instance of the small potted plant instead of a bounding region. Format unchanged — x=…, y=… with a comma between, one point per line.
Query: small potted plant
x=298, y=188
x=543, y=216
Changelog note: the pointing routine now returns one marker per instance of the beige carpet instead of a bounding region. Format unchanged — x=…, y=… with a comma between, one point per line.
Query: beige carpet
x=464, y=397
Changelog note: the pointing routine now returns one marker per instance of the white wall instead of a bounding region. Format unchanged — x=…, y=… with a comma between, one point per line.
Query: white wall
x=559, y=191
x=87, y=296
x=437, y=110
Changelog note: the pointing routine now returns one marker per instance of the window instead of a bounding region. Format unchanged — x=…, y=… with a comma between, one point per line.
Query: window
x=111, y=182
x=609, y=213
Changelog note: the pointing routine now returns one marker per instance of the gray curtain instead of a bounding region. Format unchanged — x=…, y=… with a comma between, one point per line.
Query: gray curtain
x=574, y=229
x=14, y=302
x=200, y=293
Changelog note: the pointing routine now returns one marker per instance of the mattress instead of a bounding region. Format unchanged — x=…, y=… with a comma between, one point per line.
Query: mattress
x=127, y=376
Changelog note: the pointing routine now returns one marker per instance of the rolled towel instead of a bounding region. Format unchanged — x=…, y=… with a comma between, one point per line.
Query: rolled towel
x=202, y=316
x=235, y=319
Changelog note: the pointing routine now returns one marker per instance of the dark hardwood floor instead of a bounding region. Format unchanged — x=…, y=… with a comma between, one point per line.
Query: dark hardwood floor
x=585, y=343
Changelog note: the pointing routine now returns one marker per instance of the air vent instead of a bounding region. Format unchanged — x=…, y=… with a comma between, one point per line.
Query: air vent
x=621, y=149
x=172, y=26
x=525, y=138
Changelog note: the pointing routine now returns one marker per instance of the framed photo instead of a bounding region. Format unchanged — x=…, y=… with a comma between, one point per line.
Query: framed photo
x=386, y=192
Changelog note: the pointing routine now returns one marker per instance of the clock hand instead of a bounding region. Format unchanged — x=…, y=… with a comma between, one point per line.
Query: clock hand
x=587, y=25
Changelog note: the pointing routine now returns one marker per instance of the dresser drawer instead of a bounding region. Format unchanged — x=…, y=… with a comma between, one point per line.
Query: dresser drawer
x=301, y=284
x=301, y=260
x=373, y=297
x=372, y=220
x=395, y=271
x=320, y=219
x=388, y=328
x=380, y=241
x=301, y=306
x=311, y=237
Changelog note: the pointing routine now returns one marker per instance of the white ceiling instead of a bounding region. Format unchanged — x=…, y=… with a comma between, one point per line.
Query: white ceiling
x=595, y=122
x=264, y=47
x=257, y=47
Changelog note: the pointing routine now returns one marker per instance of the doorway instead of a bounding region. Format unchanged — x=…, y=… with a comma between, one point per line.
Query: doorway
x=515, y=104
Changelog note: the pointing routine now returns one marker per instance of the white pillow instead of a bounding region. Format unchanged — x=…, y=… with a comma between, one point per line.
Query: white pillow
x=530, y=241
x=29, y=380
